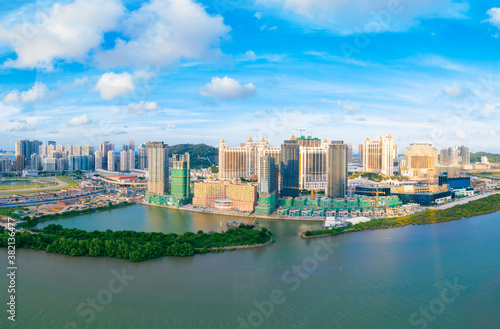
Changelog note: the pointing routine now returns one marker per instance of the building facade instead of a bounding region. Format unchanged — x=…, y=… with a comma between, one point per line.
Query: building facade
x=290, y=167
x=181, y=176
x=378, y=155
x=337, y=170
x=158, y=163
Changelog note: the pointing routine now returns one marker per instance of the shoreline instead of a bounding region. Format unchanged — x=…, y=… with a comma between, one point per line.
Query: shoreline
x=427, y=217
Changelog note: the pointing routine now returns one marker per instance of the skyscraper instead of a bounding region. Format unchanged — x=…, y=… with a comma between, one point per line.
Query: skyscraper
x=105, y=147
x=378, y=155
x=111, y=160
x=290, y=156
x=98, y=160
x=337, y=170
x=420, y=160
x=19, y=162
x=124, y=160
x=449, y=156
x=131, y=145
x=157, y=168
x=268, y=179
x=131, y=159
x=142, y=158
x=181, y=176
x=464, y=154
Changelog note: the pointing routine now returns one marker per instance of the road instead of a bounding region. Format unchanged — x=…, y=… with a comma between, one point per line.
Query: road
x=465, y=200
x=33, y=203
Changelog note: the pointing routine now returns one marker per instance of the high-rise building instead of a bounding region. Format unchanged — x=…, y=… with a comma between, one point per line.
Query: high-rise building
x=105, y=147
x=349, y=153
x=181, y=176
x=19, y=162
x=337, y=170
x=378, y=155
x=420, y=160
x=236, y=162
x=449, y=156
x=131, y=159
x=290, y=168
x=360, y=153
x=98, y=160
x=111, y=160
x=313, y=166
x=124, y=160
x=5, y=165
x=464, y=155
x=27, y=148
x=142, y=158
x=157, y=168
x=268, y=175
x=131, y=145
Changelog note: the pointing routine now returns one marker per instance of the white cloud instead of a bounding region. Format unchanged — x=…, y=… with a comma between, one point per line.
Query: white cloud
x=494, y=14
x=348, y=106
x=24, y=126
x=251, y=56
x=36, y=93
x=168, y=126
x=80, y=121
x=68, y=33
x=488, y=110
x=111, y=85
x=162, y=32
x=434, y=60
x=486, y=133
x=142, y=107
x=258, y=15
x=353, y=16
x=78, y=82
x=453, y=90
x=227, y=88
x=460, y=133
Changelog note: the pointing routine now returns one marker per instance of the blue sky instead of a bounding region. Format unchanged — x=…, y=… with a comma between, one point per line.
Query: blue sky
x=184, y=71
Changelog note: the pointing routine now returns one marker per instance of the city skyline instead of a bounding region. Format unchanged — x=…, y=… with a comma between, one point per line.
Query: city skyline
x=424, y=73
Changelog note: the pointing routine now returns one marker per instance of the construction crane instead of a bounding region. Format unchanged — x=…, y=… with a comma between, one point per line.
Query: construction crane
x=301, y=131
x=376, y=192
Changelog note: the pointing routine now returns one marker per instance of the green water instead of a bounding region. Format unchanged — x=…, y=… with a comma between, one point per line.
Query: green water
x=374, y=279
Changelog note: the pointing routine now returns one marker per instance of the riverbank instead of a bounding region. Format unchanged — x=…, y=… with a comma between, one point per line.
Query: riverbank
x=483, y=206
x=236, y=214
x=30, y=223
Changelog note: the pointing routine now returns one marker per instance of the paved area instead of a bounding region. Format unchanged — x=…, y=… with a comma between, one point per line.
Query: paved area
x=465, y=200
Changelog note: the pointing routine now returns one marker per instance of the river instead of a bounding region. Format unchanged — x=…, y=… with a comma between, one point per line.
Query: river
x=373, y=279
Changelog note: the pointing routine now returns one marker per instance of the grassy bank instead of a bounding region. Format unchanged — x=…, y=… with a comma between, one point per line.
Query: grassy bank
x=479, y=207
x=134, y=246
x=31, y=222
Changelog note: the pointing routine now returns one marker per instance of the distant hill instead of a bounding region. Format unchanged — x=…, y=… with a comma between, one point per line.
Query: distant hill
x=201, y=155
x=476, y=157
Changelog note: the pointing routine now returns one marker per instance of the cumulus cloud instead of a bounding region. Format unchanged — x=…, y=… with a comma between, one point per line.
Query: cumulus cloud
x=488, y=110
x=80, y=121
x=486, y=133
x=36, y=93
x=68, y=33
x=494, y=14
x=162, y=32
x=142, y=107
x=353, y=16
x=453, y=90
x=227, y=88
x=111, y=85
